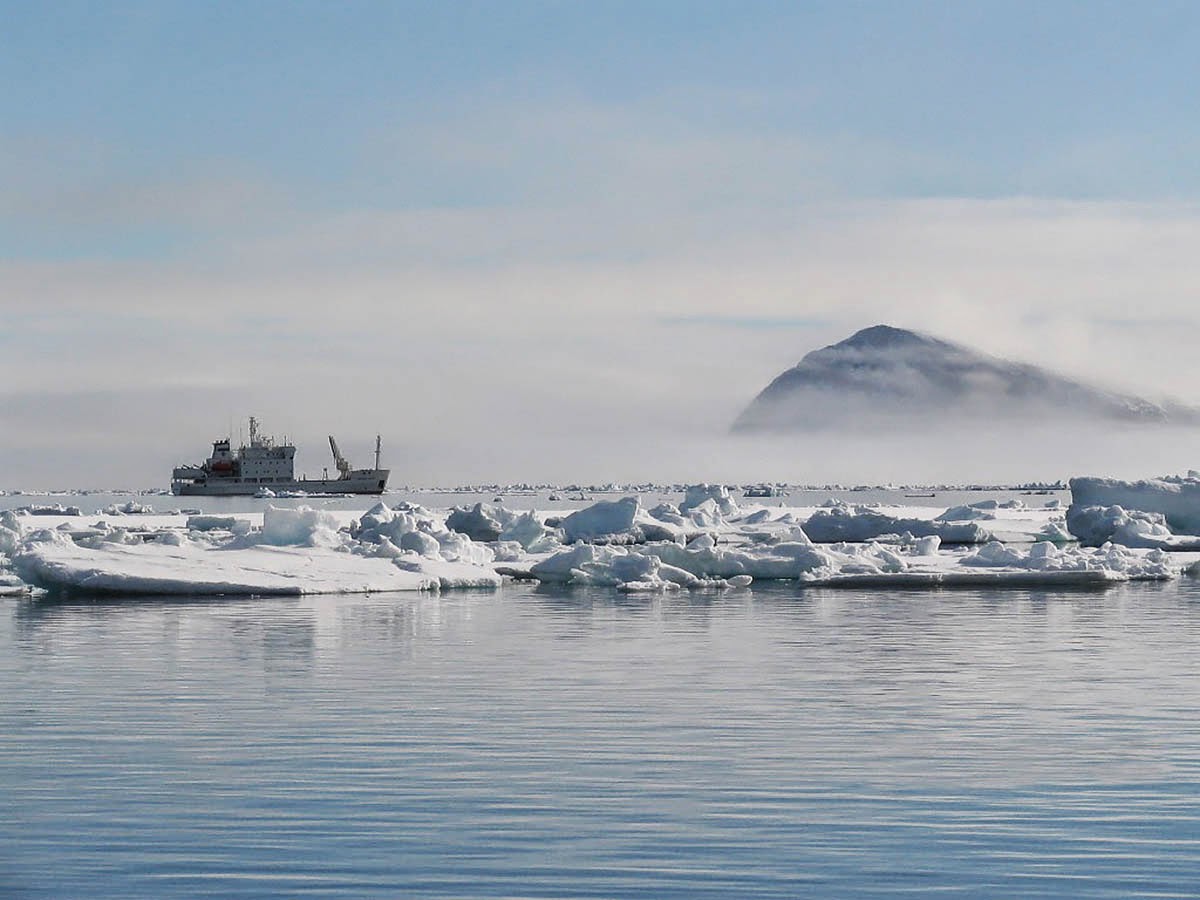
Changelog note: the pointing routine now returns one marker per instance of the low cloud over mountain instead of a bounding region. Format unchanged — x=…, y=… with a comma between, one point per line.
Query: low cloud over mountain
x=898, y=377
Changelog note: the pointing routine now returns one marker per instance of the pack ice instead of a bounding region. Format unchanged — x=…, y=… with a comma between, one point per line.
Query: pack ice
x=705, y=541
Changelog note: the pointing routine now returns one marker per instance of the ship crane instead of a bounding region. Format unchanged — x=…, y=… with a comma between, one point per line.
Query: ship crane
x=343, y=466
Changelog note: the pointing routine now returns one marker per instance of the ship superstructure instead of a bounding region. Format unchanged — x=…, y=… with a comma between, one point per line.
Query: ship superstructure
x=264, y=466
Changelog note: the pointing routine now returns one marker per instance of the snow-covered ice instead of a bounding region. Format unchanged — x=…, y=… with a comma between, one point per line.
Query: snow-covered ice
x=295, y=551
x=1177, y=498
x=55, y=509
x=707, y=541
x=1096, y=525
x=218, y=523
x=480, y=523
x=485, y=522
x=188, y=567
x=624, y=521
x=129, y=508
x=972, y=513
x=860, y=523
x=1158, y=513
x=698, y=494
x=670, y=567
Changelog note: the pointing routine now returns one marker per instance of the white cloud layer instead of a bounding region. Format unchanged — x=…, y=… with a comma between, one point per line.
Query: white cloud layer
x=592, y=342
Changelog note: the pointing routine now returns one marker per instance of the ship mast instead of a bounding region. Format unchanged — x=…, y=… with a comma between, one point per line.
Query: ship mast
x=378, y=444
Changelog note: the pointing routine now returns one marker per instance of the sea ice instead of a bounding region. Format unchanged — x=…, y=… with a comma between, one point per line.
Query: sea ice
x=302, y=527
x=479, y=523
x=195, y=568
x=860, y=523
x=484, y=522
x=218, y=523
x=707, y=542
x=629, y=569
x=757, y=518
x=128, y=508
x=996, y=504
x=667, y=566
x=529, y=533
x=607, y=521
x=1048, y=557
x=295, y=552
x=697, y=494
x=625, y=522
x=1056, y=533
x=12, y=586
x=56, y=509
x=972, y=513
x=415, y=529
x=10, y=532
x=1097, y=525
x=1176, y=498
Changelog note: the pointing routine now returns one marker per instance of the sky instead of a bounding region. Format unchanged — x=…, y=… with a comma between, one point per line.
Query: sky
x=558, y=241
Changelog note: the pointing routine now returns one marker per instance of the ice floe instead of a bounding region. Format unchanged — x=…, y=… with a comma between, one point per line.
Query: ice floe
x=668, y=566
x=480, y=522
x=624, y=521
x=698, y=494
x=970, y=513
x=1096, y=525
x=218, y=523
x=129, y=508
x=1177, y=498
x=55, y=509
x=706, y=541
x=188, y=567
x=860, y=523
x=484, y=522
x=296, y=551
x=1157, y=513
x=1116, y=562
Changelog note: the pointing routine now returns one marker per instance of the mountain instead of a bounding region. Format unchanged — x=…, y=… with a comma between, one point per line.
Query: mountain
x=894, y=376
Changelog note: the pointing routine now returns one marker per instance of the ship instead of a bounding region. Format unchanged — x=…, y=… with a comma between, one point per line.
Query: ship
x=265, y=468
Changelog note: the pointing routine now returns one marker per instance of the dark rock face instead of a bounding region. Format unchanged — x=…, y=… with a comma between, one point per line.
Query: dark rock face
x=892, y=376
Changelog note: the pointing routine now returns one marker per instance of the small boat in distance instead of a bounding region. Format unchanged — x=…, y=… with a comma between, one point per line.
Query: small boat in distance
x=263, y=466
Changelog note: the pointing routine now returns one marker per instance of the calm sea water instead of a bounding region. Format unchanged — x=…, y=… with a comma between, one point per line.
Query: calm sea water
x=551, y=743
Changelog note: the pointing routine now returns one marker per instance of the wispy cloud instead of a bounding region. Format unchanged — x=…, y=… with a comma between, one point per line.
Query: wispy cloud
x=507, y=282
x=752, y=323
x=535, y=348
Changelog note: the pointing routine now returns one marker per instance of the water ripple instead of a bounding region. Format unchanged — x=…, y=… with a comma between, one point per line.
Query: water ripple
x=543, y=743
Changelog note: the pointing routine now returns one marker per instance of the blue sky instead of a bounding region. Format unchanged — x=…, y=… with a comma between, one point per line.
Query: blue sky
x=563, y=209
x=977, y=99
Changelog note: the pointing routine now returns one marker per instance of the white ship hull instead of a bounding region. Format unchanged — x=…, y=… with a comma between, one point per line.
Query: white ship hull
x=366, y=482
x=267, y=468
